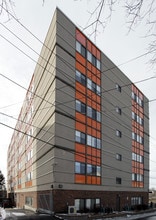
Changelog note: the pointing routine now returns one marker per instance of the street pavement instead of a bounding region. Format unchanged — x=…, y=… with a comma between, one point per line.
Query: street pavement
x=10, y=214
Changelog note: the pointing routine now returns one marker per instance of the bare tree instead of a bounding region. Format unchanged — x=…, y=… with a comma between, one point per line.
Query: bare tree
x=137, y=12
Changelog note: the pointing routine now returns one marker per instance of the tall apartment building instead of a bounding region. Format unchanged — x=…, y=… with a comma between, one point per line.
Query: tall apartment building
x=82, y=136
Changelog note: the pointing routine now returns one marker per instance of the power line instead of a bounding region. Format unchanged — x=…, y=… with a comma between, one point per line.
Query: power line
x=63, y=148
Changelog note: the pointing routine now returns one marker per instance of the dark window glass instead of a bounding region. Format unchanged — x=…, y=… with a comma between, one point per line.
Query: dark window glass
x=93, y=87
x=118, y=180
x=80, y=168
x=83, y=138
x=118, y=133
x=83, y=108
x=119, y=157
x=83, y=51
x=80, y=78
x=98, y=116
x=93, y=60
x=78, y=106
x=118, y=88
x=94, y=114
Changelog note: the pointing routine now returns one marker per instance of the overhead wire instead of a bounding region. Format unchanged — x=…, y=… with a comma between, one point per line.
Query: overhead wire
x=63, y=148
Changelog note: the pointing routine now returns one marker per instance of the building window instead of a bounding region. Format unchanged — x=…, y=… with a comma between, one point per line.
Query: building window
x=98, y=90
x=89, y=56
x=118, y=180
x=81, y=49
x=92, y=59
x=98, y=116
x=137, y=138
x=29, y=201
x=118, y=88
x=81, y=78
x=80, y=168
x=137, y=118
x=98, y=171
x=137, y=177
x=80, y=137
x=118, y=133
x=93, y=141
x=80, y=107
x=98, y=64
x=118, y=110
x=92, y=113
x=89, y=204
x=78, y=46
x=119, y=157
x=89, y=84
x=93, y=170
x=28, y=176
x=89, y=111
x=137, y=99
x=136, y=200
x=93, y=86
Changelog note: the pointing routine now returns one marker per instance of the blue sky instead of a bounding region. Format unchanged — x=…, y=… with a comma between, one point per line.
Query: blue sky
x=113, y=41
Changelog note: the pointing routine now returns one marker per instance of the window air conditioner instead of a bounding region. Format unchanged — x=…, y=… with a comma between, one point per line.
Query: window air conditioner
x=71, y=209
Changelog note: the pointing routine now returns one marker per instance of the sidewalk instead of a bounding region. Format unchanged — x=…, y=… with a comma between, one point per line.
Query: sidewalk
x=130, y=215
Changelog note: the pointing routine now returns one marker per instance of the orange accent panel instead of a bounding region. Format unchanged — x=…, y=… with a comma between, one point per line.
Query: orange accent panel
x=94, y=132
x=98, y=180
x=98, y=134
x=89, y=74
x=89, y=179
x=93, y=50
x=80, y=157
x=93, y=180
x=141, y=184
x=94, y=152
x=89, y=46
x=28, y=184
x=89, y=150
x=80, y=117
x=80, y=37
x=80, y=87
x=98, y=99
x=134, y=183
x=98, y=77
x=98, y=81
x=89, y=66
x=94, y=123
x=80, y=68
x=98, y=153
x=80, y=126
x=81, y=59
x=80, y=97
x=98, y=162
x=19, y=186
x=89, y=159
x=98, y=54
x=94, y=73
x=98, y=126
x=89, y=121
x=141, y=171
x=141, y=153
x=79, y=178
x=80, y=148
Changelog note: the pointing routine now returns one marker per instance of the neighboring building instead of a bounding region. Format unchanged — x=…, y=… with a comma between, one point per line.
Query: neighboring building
x=82, y=136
